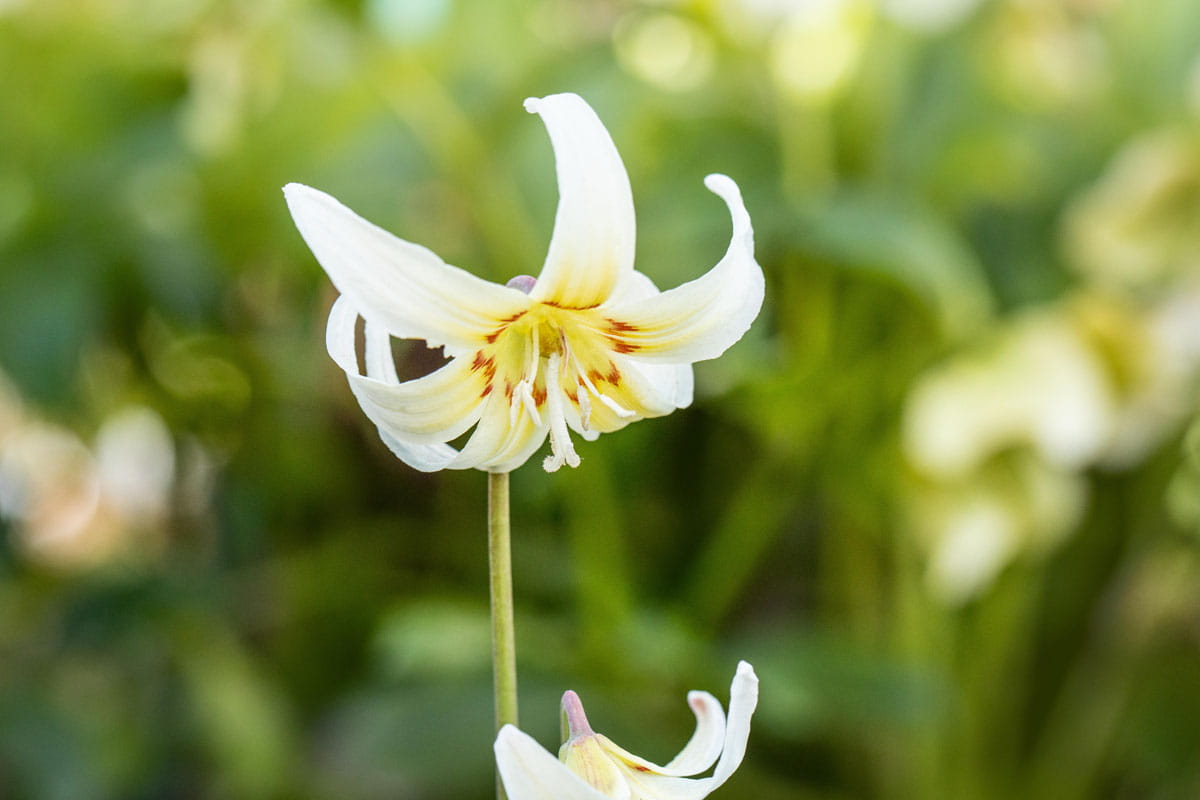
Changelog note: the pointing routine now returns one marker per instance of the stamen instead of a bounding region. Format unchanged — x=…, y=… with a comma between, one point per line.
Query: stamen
x=617, y=408
x=562, y=451
x=585, y=409
x=523, y=393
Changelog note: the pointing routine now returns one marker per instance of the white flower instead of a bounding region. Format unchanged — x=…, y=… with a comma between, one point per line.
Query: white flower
x=593, y=768
x=590, y=345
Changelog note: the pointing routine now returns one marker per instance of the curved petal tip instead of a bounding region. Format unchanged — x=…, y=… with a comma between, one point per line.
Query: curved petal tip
x=721, y=184
x=533, y=104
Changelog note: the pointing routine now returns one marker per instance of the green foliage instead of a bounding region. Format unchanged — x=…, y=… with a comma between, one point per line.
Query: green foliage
x=301, y=616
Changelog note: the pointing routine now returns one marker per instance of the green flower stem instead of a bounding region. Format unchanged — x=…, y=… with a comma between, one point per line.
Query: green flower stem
x=504, y=646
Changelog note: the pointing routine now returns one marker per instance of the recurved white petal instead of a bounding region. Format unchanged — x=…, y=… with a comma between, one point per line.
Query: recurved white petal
x=702, y=318
x=701, y=750
x=649, y=389
x=381, y=366
x=706, y=743
x=429, y=410
x=500, y=443
x=400, y=285
x=743, y=698
x=529, y=772
x=422, y=457
x=593, y=243
x=675, y=383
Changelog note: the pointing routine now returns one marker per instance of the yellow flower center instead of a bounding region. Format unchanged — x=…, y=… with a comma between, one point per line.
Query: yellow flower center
x=555, y=360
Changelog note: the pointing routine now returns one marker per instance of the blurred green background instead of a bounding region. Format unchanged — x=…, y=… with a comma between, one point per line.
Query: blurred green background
x=945, y=495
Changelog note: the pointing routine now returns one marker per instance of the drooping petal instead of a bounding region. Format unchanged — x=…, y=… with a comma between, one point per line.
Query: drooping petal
x=402, y=286
x=593, y=243
x=651, y=390
x=701, y=750
x=500, y=443
x=382, y=367
x=529, y=772
x=706, y=743
x=743, y=698
x=675, y=383
x=702, y=318
x=429, y=410
x=421, y=457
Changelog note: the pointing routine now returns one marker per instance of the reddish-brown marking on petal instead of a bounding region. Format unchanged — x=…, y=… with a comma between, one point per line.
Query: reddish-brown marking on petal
x=573, y=394
x=479, y=361
x=614, y=374
x=539, y=395
x=486, y=390
x=622, y=346
x=641, y=768
x=620, y=327
x=508, y=389
x=595, y=376
x=504, y=323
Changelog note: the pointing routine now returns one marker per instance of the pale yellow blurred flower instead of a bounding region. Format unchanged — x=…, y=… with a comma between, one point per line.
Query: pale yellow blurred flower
x=816, y=49
x=1040, y=385
x=972, y=529
x=1138, y=226
x=664, y=49
x=1044, y=56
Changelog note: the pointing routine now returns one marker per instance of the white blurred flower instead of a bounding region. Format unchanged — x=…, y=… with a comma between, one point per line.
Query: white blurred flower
x=73, y=507
x=999, y=437
x=1041, y=386
x=590, y=345
x=1153, y=349
x=975, y=528
x=50, y=486
x=591, y=767
x=135, y=459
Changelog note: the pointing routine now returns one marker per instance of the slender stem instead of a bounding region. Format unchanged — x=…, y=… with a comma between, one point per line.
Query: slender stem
x=504, y=647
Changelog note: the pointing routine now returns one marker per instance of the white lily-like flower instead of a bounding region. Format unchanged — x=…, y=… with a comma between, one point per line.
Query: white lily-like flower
x=591, y=767
x=590, y=345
